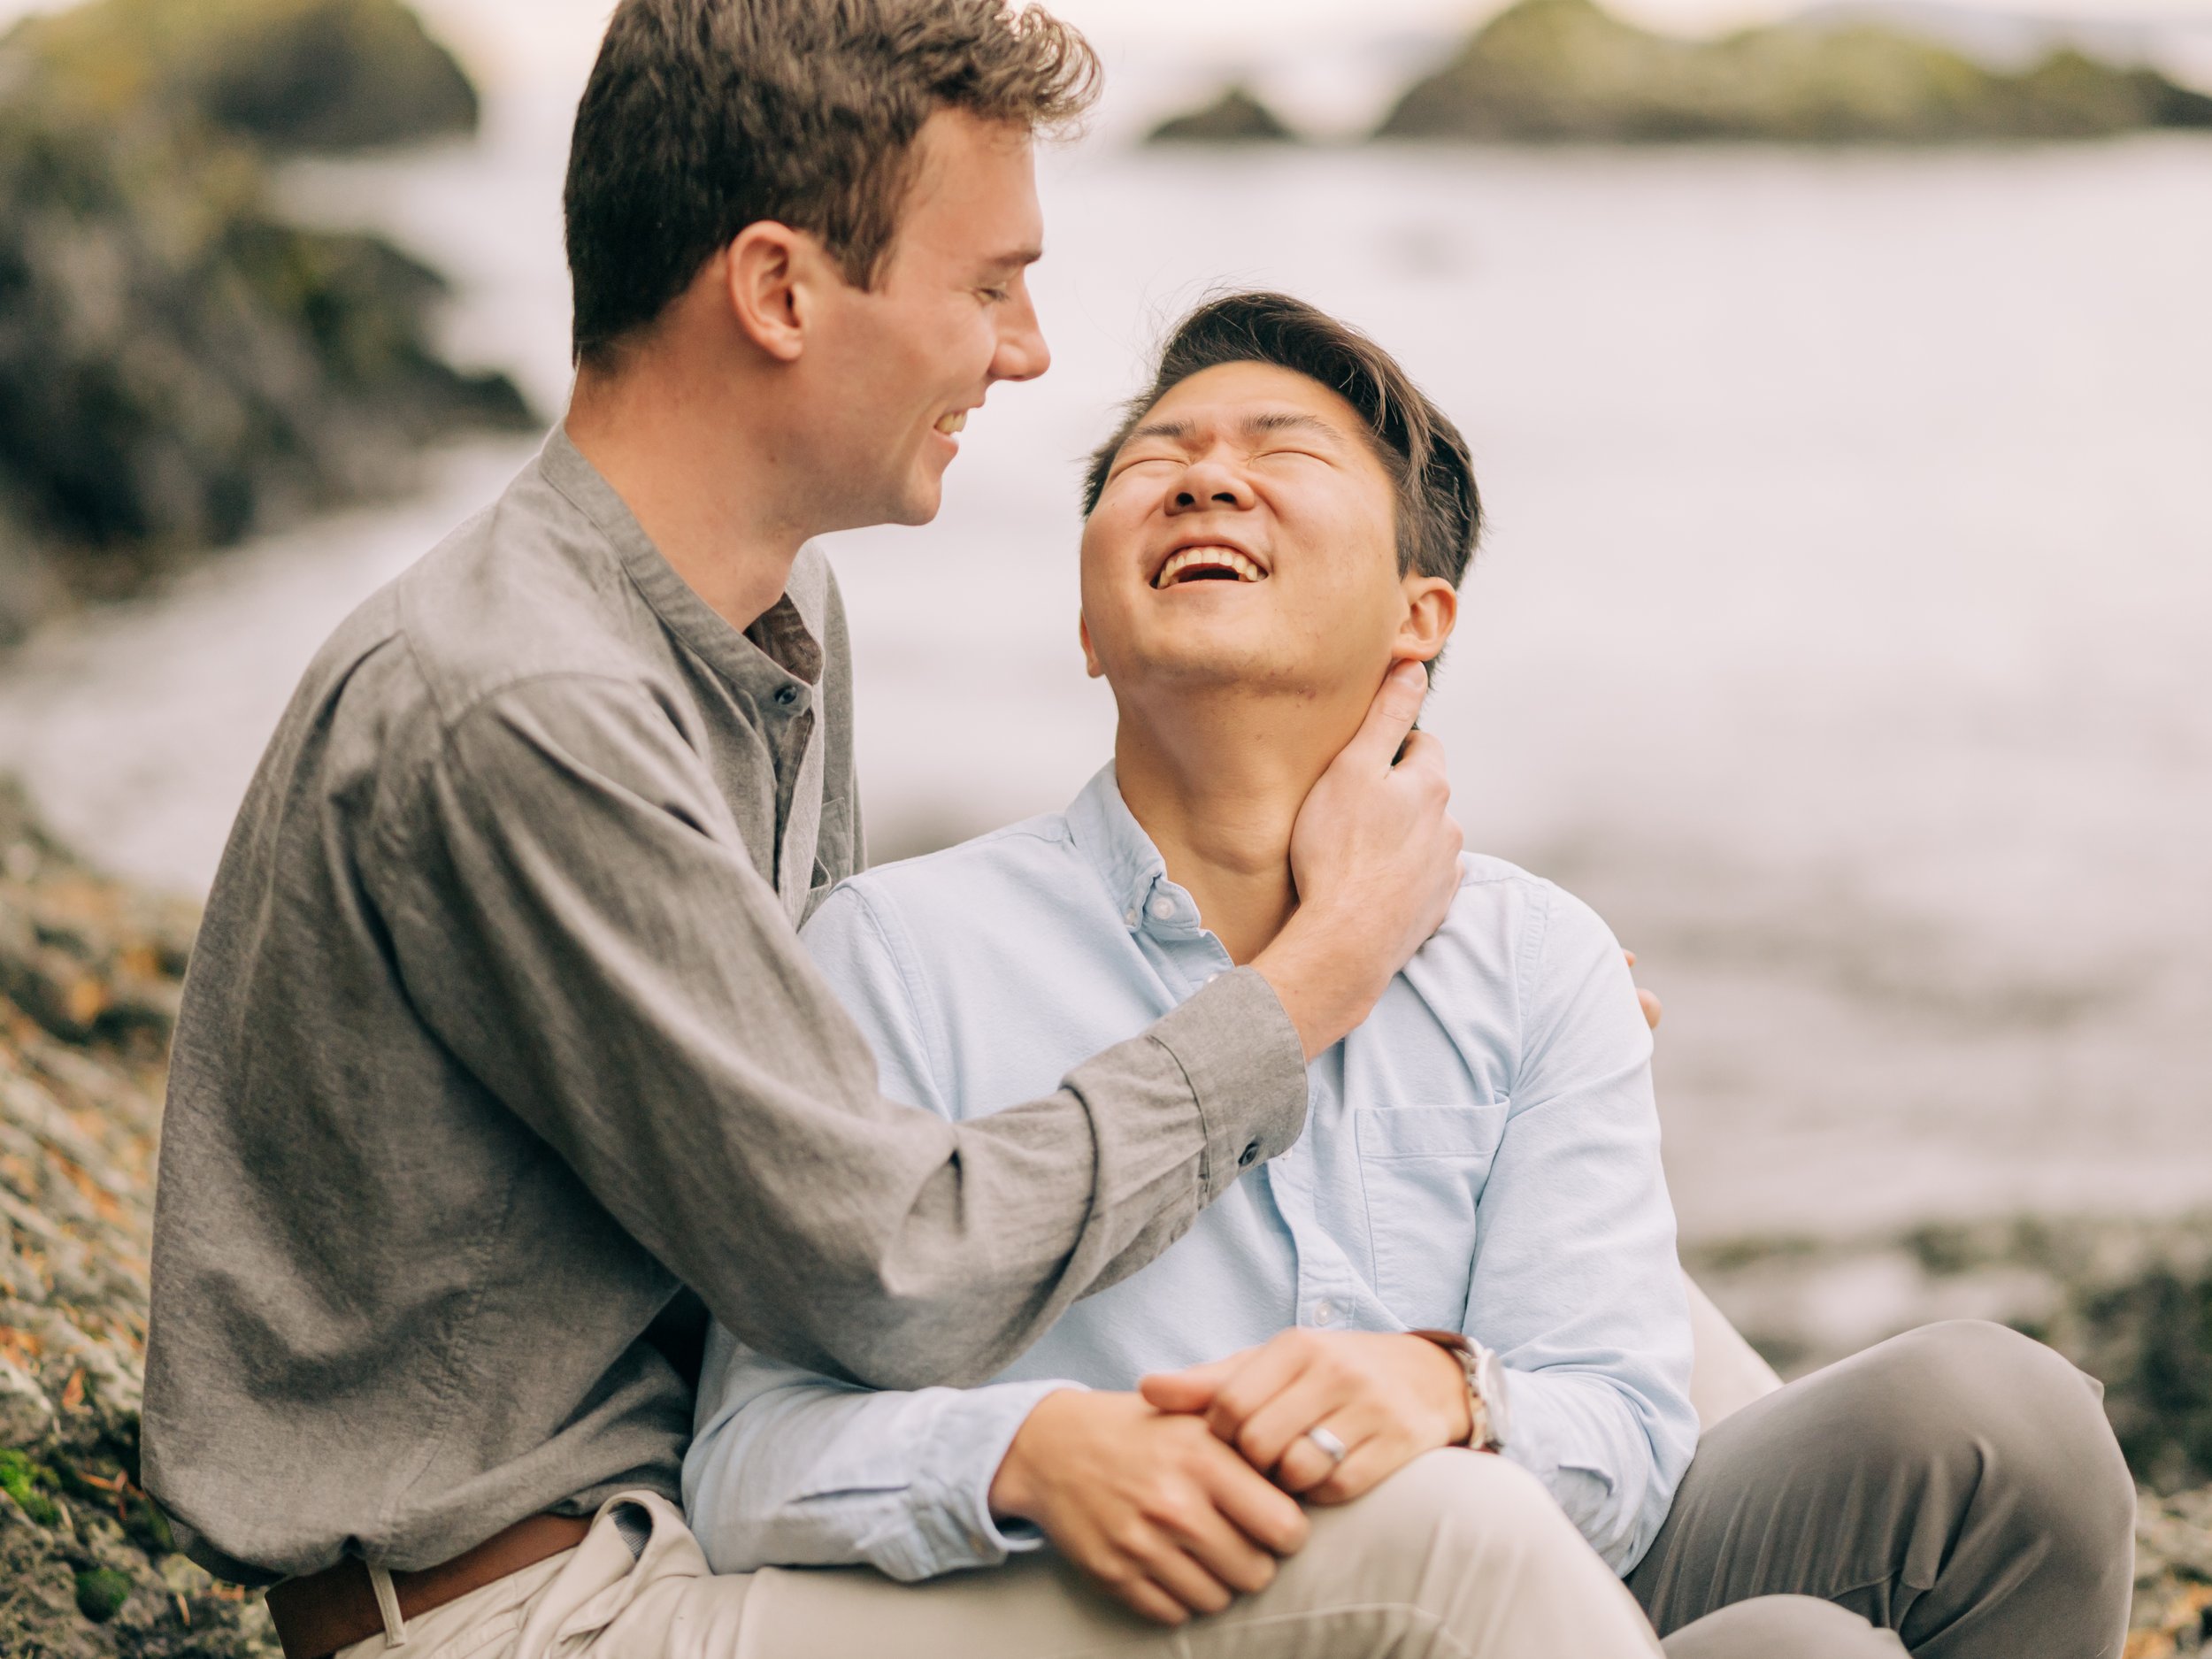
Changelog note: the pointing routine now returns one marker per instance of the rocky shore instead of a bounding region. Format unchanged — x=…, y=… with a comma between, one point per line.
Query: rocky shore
x=178, y=366
x=90, y=973
x=1566, y=70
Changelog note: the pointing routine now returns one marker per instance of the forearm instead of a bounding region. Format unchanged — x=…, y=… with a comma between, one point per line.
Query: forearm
x=804, y=1471
x=1082, y=1189
x=1324, y=988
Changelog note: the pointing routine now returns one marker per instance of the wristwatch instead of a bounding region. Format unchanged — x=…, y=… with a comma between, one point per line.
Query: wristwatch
x=1486, y=1411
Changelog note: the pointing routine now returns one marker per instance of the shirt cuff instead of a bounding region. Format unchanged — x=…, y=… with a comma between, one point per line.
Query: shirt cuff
x=1554, y=1438
x=969, y=1443
x=1245, y=1067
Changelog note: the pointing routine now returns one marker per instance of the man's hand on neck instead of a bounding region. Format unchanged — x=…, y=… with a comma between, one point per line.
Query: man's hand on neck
x=1217, y=774
x=1324, y=869
x=1375, y=854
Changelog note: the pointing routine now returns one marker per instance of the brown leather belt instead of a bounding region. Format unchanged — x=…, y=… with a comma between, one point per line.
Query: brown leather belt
x=317, y=1614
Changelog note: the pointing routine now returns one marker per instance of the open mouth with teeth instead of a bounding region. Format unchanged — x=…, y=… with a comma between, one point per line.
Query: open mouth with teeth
x=1208, y=565
x=956, y=421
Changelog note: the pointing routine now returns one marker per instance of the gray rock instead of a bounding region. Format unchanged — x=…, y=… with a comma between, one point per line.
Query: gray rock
x=1235, y=117
x=27, y=1416
x=179, y=367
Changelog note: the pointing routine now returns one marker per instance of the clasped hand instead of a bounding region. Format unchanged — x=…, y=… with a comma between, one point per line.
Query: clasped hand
x=1178, y=1498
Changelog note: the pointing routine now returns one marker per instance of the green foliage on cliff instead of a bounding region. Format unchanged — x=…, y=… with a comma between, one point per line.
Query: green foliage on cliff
x=290, y=74
x=1566, y=70
x=179, y=367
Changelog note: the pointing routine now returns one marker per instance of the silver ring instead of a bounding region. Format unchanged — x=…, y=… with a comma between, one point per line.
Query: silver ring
x=1328, y=1444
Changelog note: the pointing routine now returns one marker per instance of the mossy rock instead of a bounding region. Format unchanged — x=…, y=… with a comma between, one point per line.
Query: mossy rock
x=1565, y=70
x=81, y=1592
x=179, y=367
x=291, y=74
x=32, y=1484
x=101, y=1593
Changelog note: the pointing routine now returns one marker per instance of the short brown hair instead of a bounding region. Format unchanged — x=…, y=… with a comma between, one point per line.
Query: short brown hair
x=703, y=117
x=1439, y=509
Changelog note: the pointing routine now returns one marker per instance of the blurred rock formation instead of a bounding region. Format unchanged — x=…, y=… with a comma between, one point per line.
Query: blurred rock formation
x=1564, y=70
x=179, y=367
x=1236, y=116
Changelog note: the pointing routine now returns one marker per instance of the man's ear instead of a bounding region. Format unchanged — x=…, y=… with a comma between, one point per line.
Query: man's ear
x=1091, y=665
x=767, y=271
x=1432, y=612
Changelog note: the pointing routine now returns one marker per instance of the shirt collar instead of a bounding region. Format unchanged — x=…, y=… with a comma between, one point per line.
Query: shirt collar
x=1107, y=833
x=782, y=675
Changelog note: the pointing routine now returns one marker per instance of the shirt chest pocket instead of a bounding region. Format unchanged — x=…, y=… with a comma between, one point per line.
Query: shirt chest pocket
x=1422, y=1172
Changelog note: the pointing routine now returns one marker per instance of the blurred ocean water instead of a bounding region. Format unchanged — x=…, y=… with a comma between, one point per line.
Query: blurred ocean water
x=1842, y=633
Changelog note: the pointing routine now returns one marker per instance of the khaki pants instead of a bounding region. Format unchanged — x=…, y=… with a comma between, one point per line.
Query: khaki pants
x=1458, y=1557
x=1957, y=1487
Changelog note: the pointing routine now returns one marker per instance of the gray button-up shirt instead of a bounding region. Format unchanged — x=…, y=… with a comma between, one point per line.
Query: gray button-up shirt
x=498, y=1034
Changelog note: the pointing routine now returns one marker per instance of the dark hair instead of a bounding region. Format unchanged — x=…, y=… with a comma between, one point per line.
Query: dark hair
x=1438, y=510
x=703, y=117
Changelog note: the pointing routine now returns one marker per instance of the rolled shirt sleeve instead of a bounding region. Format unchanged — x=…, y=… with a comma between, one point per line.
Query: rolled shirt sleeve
x=577, y=920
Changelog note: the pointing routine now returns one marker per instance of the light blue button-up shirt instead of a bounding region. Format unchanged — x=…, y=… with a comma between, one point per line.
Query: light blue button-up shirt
x=1482, y=1154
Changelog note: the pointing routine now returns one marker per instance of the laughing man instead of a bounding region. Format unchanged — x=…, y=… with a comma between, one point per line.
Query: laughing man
x=1471, y=1245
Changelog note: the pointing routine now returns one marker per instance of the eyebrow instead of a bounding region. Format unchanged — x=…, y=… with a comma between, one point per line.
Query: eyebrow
x=1251, y=426
x=1291, y=420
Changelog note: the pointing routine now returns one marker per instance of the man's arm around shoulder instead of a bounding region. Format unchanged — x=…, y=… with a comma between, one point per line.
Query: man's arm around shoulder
x=576, y=917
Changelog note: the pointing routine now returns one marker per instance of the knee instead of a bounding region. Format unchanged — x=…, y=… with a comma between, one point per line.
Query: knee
x=1972, y=1378
x=1768, y=1625
x=2029, y=1419
x=1473, y=1549
x=1480, y=1507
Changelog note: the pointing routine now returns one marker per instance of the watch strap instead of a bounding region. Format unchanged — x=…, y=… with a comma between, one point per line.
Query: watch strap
x=1485, y=1425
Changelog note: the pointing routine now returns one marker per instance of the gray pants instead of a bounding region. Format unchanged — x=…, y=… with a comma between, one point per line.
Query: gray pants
x=1957, y=1485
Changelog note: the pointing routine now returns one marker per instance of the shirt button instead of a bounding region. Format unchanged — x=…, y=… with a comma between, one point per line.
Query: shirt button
x=1250, y=1156
x=1162, y=908
x=1324, y=1311
x=1129, y=918
x=787, y=694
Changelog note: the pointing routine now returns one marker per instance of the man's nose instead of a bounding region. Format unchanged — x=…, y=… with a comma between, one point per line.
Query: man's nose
x=1022, y=353
x=1208, y=483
